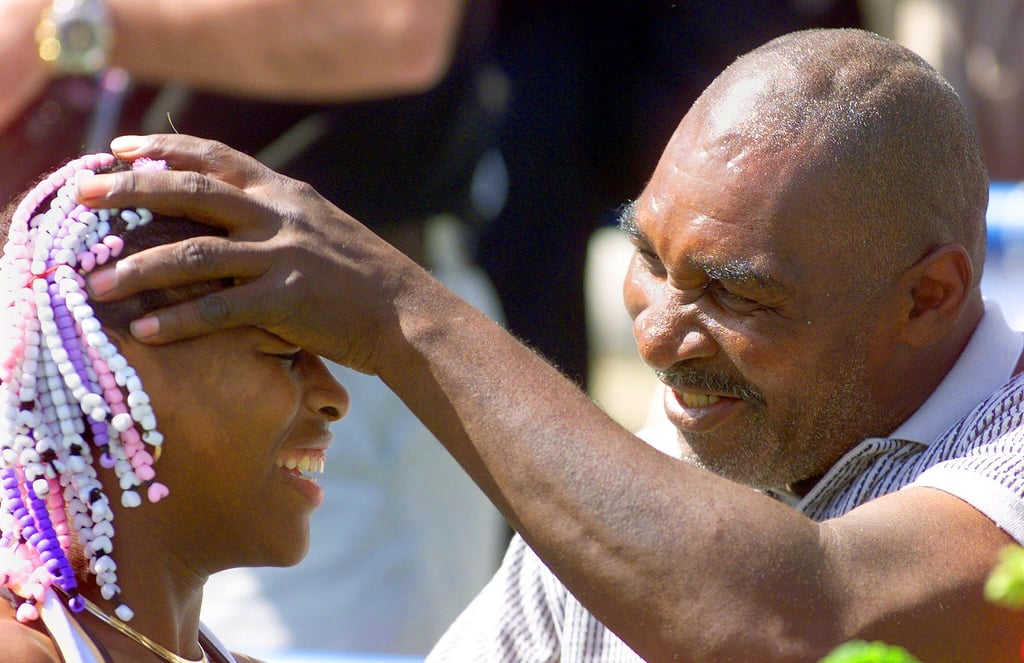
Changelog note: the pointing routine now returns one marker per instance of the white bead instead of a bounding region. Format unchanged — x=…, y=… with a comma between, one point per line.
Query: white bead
x=103, y=529
x=96, y=339
x=91, y=401
x=153, y=438
x=74, y=299
x=73, y=381
x=41, y=487
x=141, y=412
x=100, y=511
x=130, y=499
x=124, y=613
x=104, y=564
x=108, y=591
x=121, y=422
x=137, y=398
x=75, y=464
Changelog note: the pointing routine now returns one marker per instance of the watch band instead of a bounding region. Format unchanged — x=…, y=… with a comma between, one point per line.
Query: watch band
x=75, y=36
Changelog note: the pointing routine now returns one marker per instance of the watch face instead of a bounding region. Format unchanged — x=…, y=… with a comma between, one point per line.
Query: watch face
x=75, y=37
x=79, y=36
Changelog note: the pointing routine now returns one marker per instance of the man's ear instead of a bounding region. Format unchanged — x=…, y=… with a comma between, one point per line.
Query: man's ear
x=937, y=288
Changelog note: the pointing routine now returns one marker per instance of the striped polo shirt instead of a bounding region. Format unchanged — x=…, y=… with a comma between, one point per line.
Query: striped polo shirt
x=967, y=439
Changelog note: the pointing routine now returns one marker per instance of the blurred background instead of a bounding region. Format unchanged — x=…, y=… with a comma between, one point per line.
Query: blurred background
x=493, y=141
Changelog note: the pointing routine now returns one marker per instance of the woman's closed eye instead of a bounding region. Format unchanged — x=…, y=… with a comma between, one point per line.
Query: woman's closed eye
x=289, y=358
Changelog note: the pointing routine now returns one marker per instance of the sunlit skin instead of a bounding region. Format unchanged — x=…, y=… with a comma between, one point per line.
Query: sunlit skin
x=229, y=404
x=731, y=300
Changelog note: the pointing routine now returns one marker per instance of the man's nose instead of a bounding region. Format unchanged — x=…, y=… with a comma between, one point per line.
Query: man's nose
x=669, y=330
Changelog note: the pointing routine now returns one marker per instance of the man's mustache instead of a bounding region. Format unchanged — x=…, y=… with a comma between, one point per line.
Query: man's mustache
x=680, y=376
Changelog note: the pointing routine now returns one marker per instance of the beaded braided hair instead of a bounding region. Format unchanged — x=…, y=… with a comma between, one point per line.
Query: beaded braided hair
x=68, y=395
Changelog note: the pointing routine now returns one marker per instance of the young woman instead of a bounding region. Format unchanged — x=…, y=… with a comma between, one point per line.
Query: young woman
x=129, y=474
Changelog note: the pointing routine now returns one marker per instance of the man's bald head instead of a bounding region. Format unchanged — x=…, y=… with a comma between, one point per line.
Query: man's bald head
x=884, y=144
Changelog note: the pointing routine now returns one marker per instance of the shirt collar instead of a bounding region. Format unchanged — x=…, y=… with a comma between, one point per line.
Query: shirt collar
x=985, y=365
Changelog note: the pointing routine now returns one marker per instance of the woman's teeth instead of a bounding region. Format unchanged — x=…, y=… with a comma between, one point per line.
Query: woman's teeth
x=302, y=460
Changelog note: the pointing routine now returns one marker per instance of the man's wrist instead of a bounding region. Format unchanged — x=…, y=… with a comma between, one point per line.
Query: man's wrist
x=76, y=36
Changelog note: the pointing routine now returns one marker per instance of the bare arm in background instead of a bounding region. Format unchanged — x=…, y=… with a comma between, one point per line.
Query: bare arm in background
x=309, y=50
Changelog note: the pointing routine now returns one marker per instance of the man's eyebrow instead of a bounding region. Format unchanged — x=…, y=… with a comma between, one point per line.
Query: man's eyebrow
x=627, y=222
x=740, y=271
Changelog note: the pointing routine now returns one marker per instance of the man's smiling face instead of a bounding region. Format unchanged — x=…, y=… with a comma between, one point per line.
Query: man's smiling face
x=769, y=347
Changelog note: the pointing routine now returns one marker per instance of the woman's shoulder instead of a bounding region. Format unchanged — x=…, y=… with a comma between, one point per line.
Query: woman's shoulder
x=22, y=643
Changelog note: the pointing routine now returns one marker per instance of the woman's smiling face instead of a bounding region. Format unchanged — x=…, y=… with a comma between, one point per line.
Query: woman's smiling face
x=244, y=417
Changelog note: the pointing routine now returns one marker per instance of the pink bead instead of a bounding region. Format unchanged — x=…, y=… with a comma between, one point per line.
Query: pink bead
x=87, y=261
x=156, y=492
x=113, y=397
x=132, y=447
x=56, y=180
x=102, y=252
x=145, y=473
x=107, y=381
x=115, y=243
x=27, y=613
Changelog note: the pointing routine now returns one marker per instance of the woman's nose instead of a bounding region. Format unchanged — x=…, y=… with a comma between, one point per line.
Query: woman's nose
x=325, y=395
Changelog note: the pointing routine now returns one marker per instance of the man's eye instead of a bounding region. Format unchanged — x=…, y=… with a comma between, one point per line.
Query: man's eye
x=651, y=259
x=736, y=302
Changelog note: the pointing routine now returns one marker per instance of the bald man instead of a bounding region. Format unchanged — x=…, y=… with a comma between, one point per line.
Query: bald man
x=805, y=283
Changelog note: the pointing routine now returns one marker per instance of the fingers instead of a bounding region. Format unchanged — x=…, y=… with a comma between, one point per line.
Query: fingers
x=170, y=265
x=221, y=310
x=196, y=154
x=179, y=193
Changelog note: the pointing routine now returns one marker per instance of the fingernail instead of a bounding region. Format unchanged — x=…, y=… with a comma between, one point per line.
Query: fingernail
x=123, y=145
x=102, y=281
x=92, y=188
x=143, y=328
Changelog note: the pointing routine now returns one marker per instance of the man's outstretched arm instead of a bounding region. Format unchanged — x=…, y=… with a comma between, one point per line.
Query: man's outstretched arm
x=682, y=564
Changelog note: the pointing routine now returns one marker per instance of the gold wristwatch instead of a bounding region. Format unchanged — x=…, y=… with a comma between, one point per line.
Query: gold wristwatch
x=76, y=36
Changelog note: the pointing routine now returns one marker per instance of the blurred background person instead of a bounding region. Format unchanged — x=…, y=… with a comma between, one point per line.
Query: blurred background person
x=977, y=46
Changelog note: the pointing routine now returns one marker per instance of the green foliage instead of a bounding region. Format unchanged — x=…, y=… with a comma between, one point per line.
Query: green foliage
x=859, y=651
x=1005, y=584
